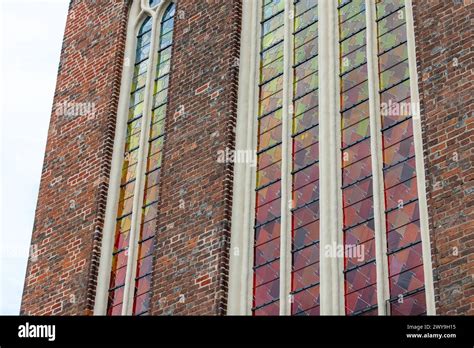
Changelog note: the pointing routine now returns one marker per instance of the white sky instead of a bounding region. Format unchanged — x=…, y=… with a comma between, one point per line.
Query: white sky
x=30, y=45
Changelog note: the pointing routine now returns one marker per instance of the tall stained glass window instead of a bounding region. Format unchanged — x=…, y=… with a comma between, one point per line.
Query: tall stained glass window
x=363, y=48
x=305, y=159
x=360, y=285
x=402, y=212
x=139, y=186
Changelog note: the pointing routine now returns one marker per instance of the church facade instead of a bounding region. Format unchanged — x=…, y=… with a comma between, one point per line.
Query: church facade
x=258, y=157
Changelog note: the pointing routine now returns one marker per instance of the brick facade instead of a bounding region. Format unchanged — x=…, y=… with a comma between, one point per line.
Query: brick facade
x=444, y=35
x=193, y=237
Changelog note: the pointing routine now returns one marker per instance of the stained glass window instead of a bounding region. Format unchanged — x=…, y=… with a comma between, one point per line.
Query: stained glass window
x=266, y=287
x=305, y=170
x=360, y=286
x=378, y=216
x=153, y=122
x=405, y=262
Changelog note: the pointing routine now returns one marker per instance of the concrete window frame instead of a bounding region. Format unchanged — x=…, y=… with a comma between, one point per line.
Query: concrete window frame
x=331, y=269
x=139, y=11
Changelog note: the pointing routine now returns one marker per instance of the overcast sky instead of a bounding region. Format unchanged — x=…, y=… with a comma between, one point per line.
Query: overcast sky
x=30, y=45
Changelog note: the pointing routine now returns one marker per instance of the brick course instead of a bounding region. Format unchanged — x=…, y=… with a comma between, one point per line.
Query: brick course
x=444, y=37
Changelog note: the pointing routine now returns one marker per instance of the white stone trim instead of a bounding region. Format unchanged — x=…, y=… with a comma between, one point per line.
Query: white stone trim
x=243, y=201
x=286, y=161
x=377, y=160
x=419, y=160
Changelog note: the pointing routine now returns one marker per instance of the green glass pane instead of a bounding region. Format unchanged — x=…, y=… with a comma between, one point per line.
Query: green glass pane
x=306, y=19
x=160, y=98
x=272, y=54
x=138, y=82
x=272, y=38
x=306, y=68
x=272, y=24
x=134, y=126
x=351, y=9
x=389, y=23
x=156, y=146
x=394, y=75
x=384, y=7
x=353, y=43
x=306, y=35
x=272, y=8
x=308, y=50
x=165, y=55
x=353, y=59
x=393, y=57
x=392, y=39
x=158, y=114
x=272, y=69
x=161, y=84
x=137, y=97
x=352, y=25
x=135, y=111
x=271, y=87
x=304, y=5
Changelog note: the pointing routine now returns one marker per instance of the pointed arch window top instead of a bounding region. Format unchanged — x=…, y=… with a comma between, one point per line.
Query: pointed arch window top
x=154, y=3
x=146, y=26
x=169, y=12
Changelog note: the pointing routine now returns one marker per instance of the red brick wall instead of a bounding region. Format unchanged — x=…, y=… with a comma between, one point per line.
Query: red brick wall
x=193, y=237
x=444, y=39
x=62, y=274
x=191, y=266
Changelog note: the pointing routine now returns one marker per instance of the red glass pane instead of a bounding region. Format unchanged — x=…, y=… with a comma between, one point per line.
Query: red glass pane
x=305, y=176
x=305, y=257
x=306, y=276
x=142, y=285
x=305, y=299
x=356, y=171
x=405, y=259
x=306, y=194
x=271, y=309
x=306, y=235
x=306, y=214
x=407, y=281
x=306, y=156
x=361, y=300
x=267, y=232
x=356, y=153
x=268, y=194
x=361, y=277
x=266, y=293
x=142, y=303
x=401, y=194
x=267, y=273
x=357, y=193
x=410, y=305
x=402, y=216
x=267, y=252
x=403, y=236
x=358, y=212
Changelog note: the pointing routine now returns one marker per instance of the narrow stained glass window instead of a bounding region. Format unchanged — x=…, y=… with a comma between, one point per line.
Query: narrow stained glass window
x=360, y=284
x=305, y=161
x=405, y=262
x=266, y=283
x=153, y=166
x=148, y=122
x=129, y=170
